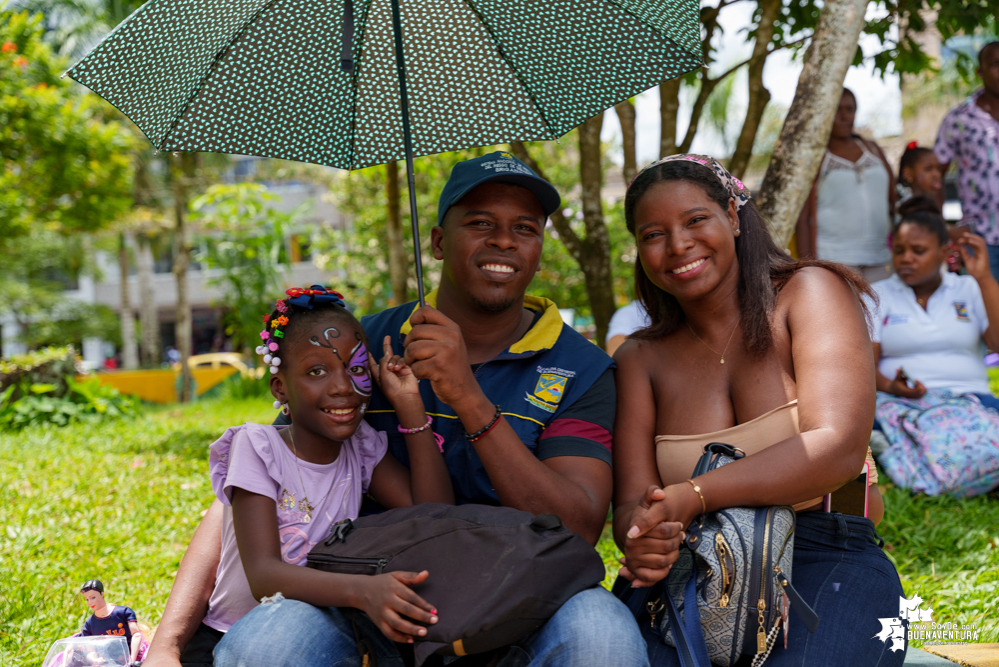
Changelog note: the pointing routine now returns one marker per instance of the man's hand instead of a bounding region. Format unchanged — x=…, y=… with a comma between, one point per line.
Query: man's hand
x=900, y=387
x=435, y=350
x=388, y=600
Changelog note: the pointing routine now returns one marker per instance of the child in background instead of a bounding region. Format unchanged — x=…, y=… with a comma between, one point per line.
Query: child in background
x=284, y=487
x=919, y=173
x=920, y=176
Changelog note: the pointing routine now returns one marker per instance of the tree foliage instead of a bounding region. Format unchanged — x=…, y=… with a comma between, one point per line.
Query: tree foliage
x=66, y=159
x=244, y=236
x=65, y=170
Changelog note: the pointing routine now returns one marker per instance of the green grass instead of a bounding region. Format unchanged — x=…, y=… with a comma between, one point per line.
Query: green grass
x=116, y=502
x=121, y=502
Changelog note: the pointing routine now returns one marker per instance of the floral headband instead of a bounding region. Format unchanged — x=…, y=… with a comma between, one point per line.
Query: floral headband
x=297, y=296
x=736, y=189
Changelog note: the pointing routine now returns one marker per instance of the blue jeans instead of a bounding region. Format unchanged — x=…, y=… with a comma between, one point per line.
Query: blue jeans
x=591, y=629
x=840, y=570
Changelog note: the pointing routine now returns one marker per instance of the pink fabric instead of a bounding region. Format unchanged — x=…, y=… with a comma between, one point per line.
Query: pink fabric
x=255, y=458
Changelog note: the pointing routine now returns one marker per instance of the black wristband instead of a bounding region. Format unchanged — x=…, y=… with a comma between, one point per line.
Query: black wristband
x=472, y=437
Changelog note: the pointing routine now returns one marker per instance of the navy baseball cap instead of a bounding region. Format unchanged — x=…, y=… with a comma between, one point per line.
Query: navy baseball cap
x=498, y=167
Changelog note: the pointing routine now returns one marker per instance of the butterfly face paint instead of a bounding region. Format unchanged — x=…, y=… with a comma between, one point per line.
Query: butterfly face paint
x=357, y=369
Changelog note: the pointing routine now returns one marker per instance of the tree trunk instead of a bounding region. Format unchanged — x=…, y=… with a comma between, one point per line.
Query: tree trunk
x=759, y=96
x=626, y=115
x=183, y=173
x=669, y=106
x=393, y=226
x=802, y=142
x=129, y=353
x=148, y=317
x=596, y=263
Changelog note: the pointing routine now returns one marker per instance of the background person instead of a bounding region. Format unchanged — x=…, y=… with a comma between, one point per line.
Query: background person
x=753, y=349
x=625, y=321
x=919, y=174
x=848, y=213
x=937, y=422
x=930, y=325
x=969, y=135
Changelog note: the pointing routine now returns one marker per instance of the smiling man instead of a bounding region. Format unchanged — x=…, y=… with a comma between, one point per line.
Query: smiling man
x=523, y=406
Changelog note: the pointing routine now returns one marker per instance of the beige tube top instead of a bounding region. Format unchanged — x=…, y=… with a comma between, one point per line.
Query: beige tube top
x=676, y=455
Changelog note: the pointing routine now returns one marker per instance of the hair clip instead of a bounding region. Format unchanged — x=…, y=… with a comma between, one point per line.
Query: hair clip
x=306, y=298
x=912, y=145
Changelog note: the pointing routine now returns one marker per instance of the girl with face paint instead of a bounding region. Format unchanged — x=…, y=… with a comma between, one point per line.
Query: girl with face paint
x=283, y=487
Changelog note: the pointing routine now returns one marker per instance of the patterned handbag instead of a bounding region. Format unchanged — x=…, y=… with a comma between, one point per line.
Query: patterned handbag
x=729, y=592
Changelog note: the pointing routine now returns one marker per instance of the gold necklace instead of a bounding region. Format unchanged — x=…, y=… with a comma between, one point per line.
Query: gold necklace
x=304, y=503
x=722, y=355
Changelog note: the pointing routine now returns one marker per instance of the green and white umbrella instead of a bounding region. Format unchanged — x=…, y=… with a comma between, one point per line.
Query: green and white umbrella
x=355, y=83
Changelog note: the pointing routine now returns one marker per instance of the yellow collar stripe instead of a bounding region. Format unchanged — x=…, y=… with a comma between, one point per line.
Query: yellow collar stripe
x=539, y=337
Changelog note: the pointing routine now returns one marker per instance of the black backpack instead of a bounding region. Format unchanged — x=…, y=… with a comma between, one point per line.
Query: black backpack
x=496, y=574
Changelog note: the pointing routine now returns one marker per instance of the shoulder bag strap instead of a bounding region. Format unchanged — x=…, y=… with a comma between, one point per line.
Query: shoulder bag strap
x=687, y=634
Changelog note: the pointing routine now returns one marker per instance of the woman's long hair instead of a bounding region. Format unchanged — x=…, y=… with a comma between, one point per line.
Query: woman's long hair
x=763, y=267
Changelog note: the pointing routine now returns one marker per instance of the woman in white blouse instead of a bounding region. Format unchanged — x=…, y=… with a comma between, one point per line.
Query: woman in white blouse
x=849, y=211
x=930, y=325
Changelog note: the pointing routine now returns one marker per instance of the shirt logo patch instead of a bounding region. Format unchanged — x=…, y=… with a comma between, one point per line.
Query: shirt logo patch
x=962, y=311
x=548, y=392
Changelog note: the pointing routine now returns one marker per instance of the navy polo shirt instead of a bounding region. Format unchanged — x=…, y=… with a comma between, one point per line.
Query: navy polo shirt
x=554, y=387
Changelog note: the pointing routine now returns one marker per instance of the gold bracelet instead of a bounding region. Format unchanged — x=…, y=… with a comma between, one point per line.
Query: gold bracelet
x=704, y=508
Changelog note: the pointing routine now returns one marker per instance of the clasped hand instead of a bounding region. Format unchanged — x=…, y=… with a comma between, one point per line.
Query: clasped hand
x=654, y=535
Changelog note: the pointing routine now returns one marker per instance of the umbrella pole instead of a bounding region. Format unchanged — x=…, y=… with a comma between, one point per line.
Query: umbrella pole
x=408, y=143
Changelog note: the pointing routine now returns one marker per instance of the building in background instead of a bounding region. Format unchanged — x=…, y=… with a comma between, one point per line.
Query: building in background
x=206, y=306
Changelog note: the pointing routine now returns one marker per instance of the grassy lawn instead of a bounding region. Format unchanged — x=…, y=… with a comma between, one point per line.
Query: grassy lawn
x=121, y=503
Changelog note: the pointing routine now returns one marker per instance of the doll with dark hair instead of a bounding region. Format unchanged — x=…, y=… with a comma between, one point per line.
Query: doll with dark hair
x=111, y=619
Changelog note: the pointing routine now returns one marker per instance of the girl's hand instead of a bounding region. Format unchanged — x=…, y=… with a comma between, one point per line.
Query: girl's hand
x=977, y=265
x=392, y=374
x=648, y=559
x=389, y=601
x=900, y=387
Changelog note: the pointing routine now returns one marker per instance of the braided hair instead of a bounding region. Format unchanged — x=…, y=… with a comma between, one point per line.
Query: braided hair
x=291, y=315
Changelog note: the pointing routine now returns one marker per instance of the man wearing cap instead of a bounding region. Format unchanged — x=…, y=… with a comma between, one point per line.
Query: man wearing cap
x=524, y=404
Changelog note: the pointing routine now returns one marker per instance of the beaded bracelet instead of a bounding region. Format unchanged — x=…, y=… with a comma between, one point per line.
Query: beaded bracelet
x=416, y=430
x=472, y=437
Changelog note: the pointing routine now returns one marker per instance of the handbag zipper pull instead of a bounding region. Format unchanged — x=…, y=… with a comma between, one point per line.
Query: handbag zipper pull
x=761, y=634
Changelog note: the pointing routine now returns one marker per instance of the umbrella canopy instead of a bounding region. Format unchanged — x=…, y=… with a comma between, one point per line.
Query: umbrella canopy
x=285, y=79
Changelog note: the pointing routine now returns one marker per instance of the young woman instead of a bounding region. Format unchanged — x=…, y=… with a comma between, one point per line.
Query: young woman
x=750, y=348
x=936, y=416
x=931, y=325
